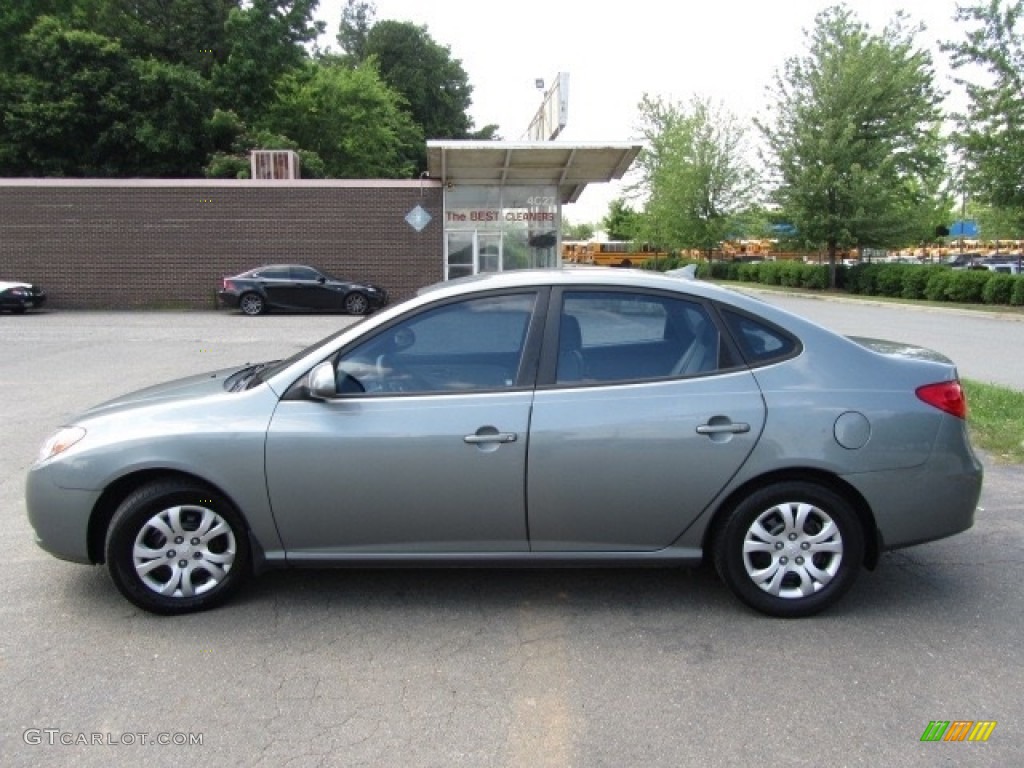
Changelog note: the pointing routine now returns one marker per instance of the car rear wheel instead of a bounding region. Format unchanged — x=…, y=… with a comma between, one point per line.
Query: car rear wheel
x=356, y=304
x=177, y=546
x=790, y=549
x=252, y=304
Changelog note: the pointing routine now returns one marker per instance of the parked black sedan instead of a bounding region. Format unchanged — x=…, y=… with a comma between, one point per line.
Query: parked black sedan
x=298, y=288
x=18, y=297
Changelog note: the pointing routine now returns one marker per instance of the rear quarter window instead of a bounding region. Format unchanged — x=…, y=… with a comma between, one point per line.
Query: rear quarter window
x=759, y=342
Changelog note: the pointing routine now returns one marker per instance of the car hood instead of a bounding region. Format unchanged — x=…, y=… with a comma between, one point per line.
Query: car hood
x=900, y=349
x=4, y=285
x=190, y=387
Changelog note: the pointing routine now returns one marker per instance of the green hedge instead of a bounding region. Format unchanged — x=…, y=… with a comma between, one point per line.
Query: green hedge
x=906, y=281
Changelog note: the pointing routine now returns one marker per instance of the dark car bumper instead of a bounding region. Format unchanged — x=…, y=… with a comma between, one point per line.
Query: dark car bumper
x=378, y=299
x=228, y=299
x=21, y=303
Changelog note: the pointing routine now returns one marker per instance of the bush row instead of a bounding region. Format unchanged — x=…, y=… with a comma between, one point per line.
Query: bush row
x=906, y=281
x=935, y=283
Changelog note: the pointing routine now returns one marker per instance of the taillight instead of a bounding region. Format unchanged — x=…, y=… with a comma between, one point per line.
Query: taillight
x=228, y=285
x=947, y=396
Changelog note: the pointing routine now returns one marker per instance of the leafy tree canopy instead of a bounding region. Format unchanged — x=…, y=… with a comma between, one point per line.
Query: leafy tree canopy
x=854, y=135
x=621, y=221
x=79, y=105
x=186, y=87
x=694, y=172
x=581, y=231
x=991, y=134
x=350, y=118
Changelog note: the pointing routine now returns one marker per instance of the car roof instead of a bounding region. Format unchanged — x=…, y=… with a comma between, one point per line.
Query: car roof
x=590, y=276
x=279, y=266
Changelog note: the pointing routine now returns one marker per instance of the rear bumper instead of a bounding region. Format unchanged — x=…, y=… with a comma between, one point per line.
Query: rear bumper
x=228, y=299
x=936, y=500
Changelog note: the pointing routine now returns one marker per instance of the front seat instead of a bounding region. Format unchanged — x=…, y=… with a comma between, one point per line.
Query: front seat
x=570, y=351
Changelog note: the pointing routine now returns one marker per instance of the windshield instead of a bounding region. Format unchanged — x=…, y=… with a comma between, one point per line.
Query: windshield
x=272, y=368
x=266, y=370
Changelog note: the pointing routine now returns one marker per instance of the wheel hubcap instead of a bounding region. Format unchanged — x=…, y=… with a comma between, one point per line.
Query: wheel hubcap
x=184, y=551
x=792, y=550
x=251, y=305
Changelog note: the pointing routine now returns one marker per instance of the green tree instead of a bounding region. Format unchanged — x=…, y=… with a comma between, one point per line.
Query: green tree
x=264, y=41
x=17, y=17
x=356, y=22
x=581, y=231
x=233, y=140
x=170, y=107
x=694, y=172
x=349, y=118
x=62, y=106
x=854, y=136
x=621, y=221
x=79, y=105
x=189, y=32
x=991, y=135
x=434, y=85
x=996, y=223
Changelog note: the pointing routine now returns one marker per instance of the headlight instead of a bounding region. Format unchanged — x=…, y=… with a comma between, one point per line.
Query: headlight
x=60, y=441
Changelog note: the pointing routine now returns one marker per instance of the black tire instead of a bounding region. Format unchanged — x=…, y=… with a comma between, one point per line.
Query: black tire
x=813, y=549
x=197, y=569
x=356, y=304
x=252, y=304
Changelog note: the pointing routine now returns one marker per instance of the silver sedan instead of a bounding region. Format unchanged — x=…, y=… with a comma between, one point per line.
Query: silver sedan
x=537, y=418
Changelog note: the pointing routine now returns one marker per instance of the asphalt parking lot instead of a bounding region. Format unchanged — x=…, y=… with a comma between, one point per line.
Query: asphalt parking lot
x=480, y=668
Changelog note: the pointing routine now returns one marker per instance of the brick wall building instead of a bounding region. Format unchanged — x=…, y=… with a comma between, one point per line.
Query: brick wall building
x=119, y=244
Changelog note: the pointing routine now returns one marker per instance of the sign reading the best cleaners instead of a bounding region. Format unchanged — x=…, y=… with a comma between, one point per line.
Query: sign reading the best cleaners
x=498, y=216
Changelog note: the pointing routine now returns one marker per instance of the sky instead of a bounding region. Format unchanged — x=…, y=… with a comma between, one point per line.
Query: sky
x=725, y=50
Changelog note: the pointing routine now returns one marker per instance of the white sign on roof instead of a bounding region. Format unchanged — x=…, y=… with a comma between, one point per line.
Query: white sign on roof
x=553, y=114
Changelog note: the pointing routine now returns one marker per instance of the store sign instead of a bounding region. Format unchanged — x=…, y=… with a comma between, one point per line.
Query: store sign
x=495, y=215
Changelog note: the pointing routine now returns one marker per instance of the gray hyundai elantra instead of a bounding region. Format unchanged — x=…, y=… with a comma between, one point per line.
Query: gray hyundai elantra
x=597, y=417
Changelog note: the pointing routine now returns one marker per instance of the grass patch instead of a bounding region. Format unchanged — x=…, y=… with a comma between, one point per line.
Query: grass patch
x=996, y=420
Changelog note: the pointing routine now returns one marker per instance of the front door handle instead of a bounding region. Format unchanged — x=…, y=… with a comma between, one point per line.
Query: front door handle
x=481, y=438
x=735, y=428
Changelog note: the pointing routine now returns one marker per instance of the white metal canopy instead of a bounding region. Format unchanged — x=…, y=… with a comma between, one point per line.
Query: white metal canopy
x=570, y=167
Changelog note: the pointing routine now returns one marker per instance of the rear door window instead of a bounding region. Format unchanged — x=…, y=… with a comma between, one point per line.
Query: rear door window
x=611, y=336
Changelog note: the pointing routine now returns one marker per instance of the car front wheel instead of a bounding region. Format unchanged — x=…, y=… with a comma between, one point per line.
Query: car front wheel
x=177, y=546
x=356, y=304
x=252, y=304
x=791, y=549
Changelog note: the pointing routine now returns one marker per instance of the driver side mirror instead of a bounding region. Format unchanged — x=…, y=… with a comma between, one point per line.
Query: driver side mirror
x=321, y=382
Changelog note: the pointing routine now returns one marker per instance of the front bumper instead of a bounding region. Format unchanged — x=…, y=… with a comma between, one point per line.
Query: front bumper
x=59, y=516
x=22, y=303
